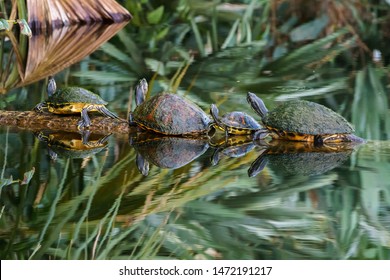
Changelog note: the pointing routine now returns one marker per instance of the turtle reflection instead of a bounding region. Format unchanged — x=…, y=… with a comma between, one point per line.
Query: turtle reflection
x=233, y=147
x=301, y=158
x=72, y=144
x=165, y=151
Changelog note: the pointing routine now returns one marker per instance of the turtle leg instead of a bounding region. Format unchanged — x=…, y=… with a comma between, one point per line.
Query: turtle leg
x=131, y=120
x=260, y=134
x=40, y=107
x=106, y=112
x=53, y=155
x=41, y=136
x=85, y=137
x=85, y=121
x=142, y=164
x=216, y=156
x=258, y=165
x=103, y=139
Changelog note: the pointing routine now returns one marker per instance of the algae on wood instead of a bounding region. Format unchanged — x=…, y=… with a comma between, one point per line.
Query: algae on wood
x=37, y=121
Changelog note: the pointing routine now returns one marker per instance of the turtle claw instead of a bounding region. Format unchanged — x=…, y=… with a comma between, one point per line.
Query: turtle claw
x=40, y=107
x=53, y=155
x=41, y=136
x=83, y=125
x=107, y=112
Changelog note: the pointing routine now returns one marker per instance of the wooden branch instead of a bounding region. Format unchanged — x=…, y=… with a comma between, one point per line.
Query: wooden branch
x=32, y=120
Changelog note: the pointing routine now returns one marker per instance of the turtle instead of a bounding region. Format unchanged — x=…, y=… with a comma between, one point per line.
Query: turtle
x=165, y=151
x=73, y=100
x=168, y=114
x=289, y=158
x=301, y=120
x=72, y=144
x=236, y=123
x=234, y=146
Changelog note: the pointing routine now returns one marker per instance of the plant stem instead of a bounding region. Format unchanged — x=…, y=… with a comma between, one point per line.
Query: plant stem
x=22, y=10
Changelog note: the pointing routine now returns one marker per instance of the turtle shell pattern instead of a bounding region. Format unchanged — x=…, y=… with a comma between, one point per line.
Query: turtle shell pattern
x=306, y=118
x=75, y=95
x=172, y=115
x=239, y=120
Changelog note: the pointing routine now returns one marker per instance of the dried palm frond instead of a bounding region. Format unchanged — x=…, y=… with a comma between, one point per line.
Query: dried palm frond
x=49, y=54
x=56, y=13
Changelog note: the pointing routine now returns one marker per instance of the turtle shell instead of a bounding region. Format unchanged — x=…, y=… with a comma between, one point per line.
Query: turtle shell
x=169, y=151
x=75, y=95
x=240, y=121
x=294, y=159
x=172, y=115
x=306, y=164
x=305, y=117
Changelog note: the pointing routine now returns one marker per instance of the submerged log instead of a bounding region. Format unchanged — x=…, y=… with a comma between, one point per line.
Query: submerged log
x=40, y=121
x=44, y=14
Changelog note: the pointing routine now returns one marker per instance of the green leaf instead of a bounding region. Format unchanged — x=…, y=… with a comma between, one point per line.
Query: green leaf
x=116, y=53
x=155, y=66
x=155, y=16
x=105, y=77
x=160, y=35
x=310, y=30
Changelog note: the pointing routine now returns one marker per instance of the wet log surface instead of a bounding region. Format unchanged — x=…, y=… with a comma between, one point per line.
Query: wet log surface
x=35, y=121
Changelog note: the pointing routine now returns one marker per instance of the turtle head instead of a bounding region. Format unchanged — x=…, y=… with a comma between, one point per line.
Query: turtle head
x=140, y=91
x=257, y=104
x=258, y=165
x=214, y=112
x=51, y=86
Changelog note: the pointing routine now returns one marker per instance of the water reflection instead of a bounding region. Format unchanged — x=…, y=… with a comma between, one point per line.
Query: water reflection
x=235, y=146
x=71, y=144
x=70, y=203
x=286, y=157
x=164, y=151
x=301, y=158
